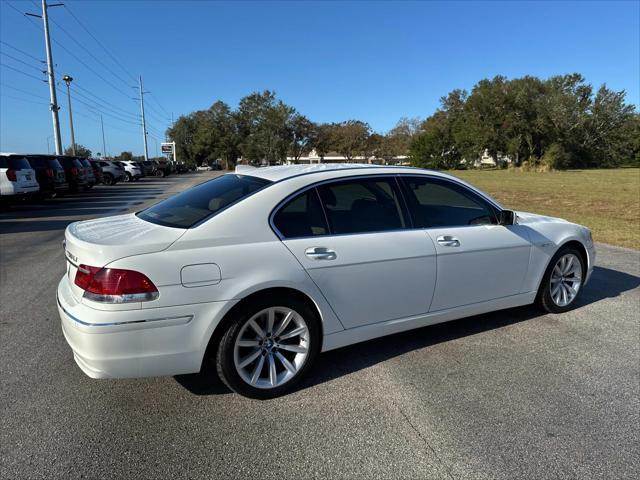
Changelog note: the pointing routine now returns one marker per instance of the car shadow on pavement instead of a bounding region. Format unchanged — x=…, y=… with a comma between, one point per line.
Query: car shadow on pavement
x=605, y=283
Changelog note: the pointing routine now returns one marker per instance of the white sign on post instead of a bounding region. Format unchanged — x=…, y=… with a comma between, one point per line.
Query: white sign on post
x=169, y=149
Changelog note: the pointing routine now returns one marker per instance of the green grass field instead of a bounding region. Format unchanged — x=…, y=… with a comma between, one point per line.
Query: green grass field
x=606, y=201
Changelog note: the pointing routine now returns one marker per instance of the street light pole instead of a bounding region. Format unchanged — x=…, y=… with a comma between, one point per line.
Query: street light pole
x=67, y=79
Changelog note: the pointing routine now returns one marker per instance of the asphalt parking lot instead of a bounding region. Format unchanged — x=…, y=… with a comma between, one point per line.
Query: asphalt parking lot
x=512, y=394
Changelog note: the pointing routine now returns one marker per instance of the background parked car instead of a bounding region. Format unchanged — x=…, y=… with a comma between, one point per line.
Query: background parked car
x=97, y=170
x=132, y=172
x=149, y=168
x=75, y=172
x=17, y=178
x=163, y=169
x=112, y=173
x=88, y=169
x=49, y=174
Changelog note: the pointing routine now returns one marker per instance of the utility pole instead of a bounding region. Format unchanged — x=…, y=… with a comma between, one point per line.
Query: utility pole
x=50, y=75
x=104, y=148
x=68, y=79
x=144, y=125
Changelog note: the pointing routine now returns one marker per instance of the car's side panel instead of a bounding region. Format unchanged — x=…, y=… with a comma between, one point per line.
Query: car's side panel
x=375, y=276
x=368, y=332
x=244, y=269
x=482, y=263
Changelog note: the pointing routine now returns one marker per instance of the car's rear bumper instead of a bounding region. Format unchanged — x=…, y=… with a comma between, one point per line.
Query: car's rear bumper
x=137, y=343
x=18, y=190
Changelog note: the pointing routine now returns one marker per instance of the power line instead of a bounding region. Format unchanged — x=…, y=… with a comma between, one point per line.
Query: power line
x=102, y=104
x=21, y=61
x=22, y=99
x=22, y=52
x=89, y=52
x=20, y=71
x=101, y=100
x=107, y=113
x=23, y=91
x=115, y=60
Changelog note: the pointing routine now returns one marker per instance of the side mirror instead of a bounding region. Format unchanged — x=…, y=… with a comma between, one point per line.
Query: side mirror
x=506, y=217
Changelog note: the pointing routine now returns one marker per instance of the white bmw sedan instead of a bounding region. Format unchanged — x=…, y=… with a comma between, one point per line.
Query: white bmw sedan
x=258, y=271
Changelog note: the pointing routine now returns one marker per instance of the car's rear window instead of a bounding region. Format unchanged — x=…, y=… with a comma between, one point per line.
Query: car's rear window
x=194, y=205
x=84, y=162
x=15, y=163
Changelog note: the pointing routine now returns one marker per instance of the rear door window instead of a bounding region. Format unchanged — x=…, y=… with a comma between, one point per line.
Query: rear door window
x=362, y=205
x=301, y=217
x=194, y=205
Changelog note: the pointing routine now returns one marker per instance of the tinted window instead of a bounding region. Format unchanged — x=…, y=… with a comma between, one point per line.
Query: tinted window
x=191, y=206
x=365, y=205
x=301, y=217
x=15, y=163
x=84, y=162
x=440, y=203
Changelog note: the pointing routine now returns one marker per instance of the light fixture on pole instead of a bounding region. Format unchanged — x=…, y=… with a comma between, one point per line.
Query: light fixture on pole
x=68, y=79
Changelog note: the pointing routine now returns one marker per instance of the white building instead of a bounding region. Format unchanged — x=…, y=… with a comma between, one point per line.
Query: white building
x=334, y=157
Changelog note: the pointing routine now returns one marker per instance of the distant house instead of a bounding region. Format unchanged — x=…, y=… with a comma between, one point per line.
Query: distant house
x=335, y=157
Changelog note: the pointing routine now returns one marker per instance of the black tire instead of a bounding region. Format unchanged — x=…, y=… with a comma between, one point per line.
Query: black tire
x=127, y=177
x=108, y=179
x=544, y=299
x=225, y=364
x=160, y=173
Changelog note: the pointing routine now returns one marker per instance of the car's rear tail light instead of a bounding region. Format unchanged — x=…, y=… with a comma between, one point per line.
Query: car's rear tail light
x=115, y=285
x=50, y=172
x=11, y=175
x=74, y=171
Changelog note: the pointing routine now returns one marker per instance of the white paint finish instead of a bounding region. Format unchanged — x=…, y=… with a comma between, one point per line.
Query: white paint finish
x=200, y=275
x=374, y=277
x=368, y=332
x=490, y=262
x=381, y=283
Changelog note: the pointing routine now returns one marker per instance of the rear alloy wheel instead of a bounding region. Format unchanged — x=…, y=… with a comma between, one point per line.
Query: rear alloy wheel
x=562, y=281
x=269, y=348
x=127, y=177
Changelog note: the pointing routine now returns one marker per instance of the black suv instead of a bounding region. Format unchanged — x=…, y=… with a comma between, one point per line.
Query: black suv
x=76, y=173
x=50, y=174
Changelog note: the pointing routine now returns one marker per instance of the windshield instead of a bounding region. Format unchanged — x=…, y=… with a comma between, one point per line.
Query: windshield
x=191, y=206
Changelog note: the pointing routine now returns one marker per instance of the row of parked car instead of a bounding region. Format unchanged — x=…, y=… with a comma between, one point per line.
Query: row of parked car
x=53, y=175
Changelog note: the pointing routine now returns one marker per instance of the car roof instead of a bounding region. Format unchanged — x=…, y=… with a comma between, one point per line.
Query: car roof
x=282, y=172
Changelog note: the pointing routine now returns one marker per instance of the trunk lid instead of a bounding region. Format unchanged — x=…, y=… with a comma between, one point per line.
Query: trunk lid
x=99, y=242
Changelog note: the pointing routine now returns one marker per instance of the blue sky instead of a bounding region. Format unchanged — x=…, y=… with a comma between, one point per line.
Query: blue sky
x=370, y=60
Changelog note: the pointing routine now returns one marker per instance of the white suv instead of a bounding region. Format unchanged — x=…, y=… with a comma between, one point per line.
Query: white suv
x=132, y=171
x=17, y=178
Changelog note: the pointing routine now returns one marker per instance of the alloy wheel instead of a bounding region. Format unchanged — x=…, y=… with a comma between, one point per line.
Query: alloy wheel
x=271, y=347
x=566, y=280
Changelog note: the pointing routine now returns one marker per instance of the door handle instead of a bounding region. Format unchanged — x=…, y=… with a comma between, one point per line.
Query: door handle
x=320, y=253
x=448, y=241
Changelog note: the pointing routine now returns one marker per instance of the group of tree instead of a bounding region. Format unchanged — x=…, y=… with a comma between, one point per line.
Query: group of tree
x=263, y=129
x=561, y=122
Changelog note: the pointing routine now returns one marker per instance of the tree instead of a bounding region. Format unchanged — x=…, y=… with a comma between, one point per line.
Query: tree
x=264, y=127
x=304, y=133
x=323, y=139
x=350, y=138
x=81, y=151
x=124, y=157
x=435, y=146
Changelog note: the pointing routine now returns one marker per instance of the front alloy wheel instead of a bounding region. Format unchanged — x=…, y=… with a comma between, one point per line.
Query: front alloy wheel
x=566, y=280
x=268, y=349
x=562, y=281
